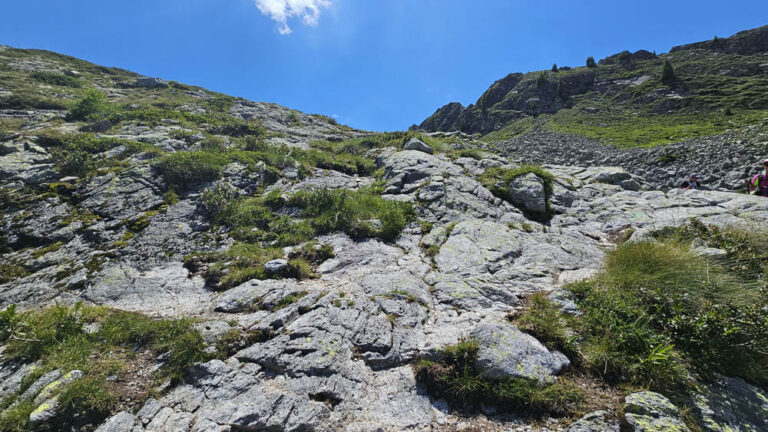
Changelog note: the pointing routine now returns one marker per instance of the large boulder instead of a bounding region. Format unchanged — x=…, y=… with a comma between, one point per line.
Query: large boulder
x=527, y=193
x=418, y=145
x=507, y=352
x=651, y=412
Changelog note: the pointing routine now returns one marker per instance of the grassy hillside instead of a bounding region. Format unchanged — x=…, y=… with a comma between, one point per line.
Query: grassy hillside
x=625, y=100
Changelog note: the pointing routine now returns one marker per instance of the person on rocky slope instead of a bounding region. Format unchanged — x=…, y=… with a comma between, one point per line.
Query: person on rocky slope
x=693, y=182
x=759, y=182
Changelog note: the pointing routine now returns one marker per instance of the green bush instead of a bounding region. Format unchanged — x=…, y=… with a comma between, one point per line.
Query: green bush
x=182, y=170
x=668, y=73
x=455, y=378
x=591, y=62
x=56, y=79
x=92, y=104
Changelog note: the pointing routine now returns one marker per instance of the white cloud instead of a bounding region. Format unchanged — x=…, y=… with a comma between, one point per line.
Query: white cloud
x=282, y=10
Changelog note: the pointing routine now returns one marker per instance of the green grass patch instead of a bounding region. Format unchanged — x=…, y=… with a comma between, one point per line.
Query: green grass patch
x=658, y=314
x=56, y=79
x=53, y=247
x=544, y=320
x=626, y=130
x=57, y=337
x=262, y=228
x=456, y=379
x=10, y=271
x=81, y=155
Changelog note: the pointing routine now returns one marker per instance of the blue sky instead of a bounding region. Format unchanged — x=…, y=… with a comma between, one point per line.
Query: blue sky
x=373, y=64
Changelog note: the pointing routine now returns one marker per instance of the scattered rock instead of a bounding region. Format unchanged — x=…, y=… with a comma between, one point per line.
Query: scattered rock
x=120, y=422
x=730, y=404
x=276, y=266
x=597, y=421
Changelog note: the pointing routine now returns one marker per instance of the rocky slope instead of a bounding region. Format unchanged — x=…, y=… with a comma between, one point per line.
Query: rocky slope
x=623, y=102
x=132, y=218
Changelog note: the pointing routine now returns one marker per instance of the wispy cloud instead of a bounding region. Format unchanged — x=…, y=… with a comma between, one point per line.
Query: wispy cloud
x=282, y=10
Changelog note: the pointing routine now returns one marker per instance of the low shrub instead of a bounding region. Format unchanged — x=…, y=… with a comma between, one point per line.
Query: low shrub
x=80, y=154
x=11, y=271
x=181, y=170
x=92, y=104
x=21, y=101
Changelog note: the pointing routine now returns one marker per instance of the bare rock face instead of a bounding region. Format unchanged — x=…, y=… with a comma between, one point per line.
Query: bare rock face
x=731, y=404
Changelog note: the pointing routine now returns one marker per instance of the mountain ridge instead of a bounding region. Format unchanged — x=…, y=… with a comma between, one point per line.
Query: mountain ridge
x=711, y=77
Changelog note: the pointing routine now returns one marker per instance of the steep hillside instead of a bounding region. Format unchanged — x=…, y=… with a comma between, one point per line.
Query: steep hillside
x=625, y=100
x=173, y=259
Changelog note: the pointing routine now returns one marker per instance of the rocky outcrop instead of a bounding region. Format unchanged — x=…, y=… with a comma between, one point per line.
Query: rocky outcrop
x=746, y=42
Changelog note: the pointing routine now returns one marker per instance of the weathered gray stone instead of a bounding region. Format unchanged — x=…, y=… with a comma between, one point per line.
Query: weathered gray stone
x=150, y=82
x=505, y=351
x=730, y=404
x=57, y=385
x=276, y=266
x=527, y=193
x=597, y=421
x=651, y=412
x=120, y=422
x=45, y=411
x=418, y=145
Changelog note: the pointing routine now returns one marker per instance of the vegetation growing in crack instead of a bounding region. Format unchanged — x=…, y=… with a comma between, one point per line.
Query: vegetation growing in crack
x=102, y=343
x=264, y=225
x=455, y=378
